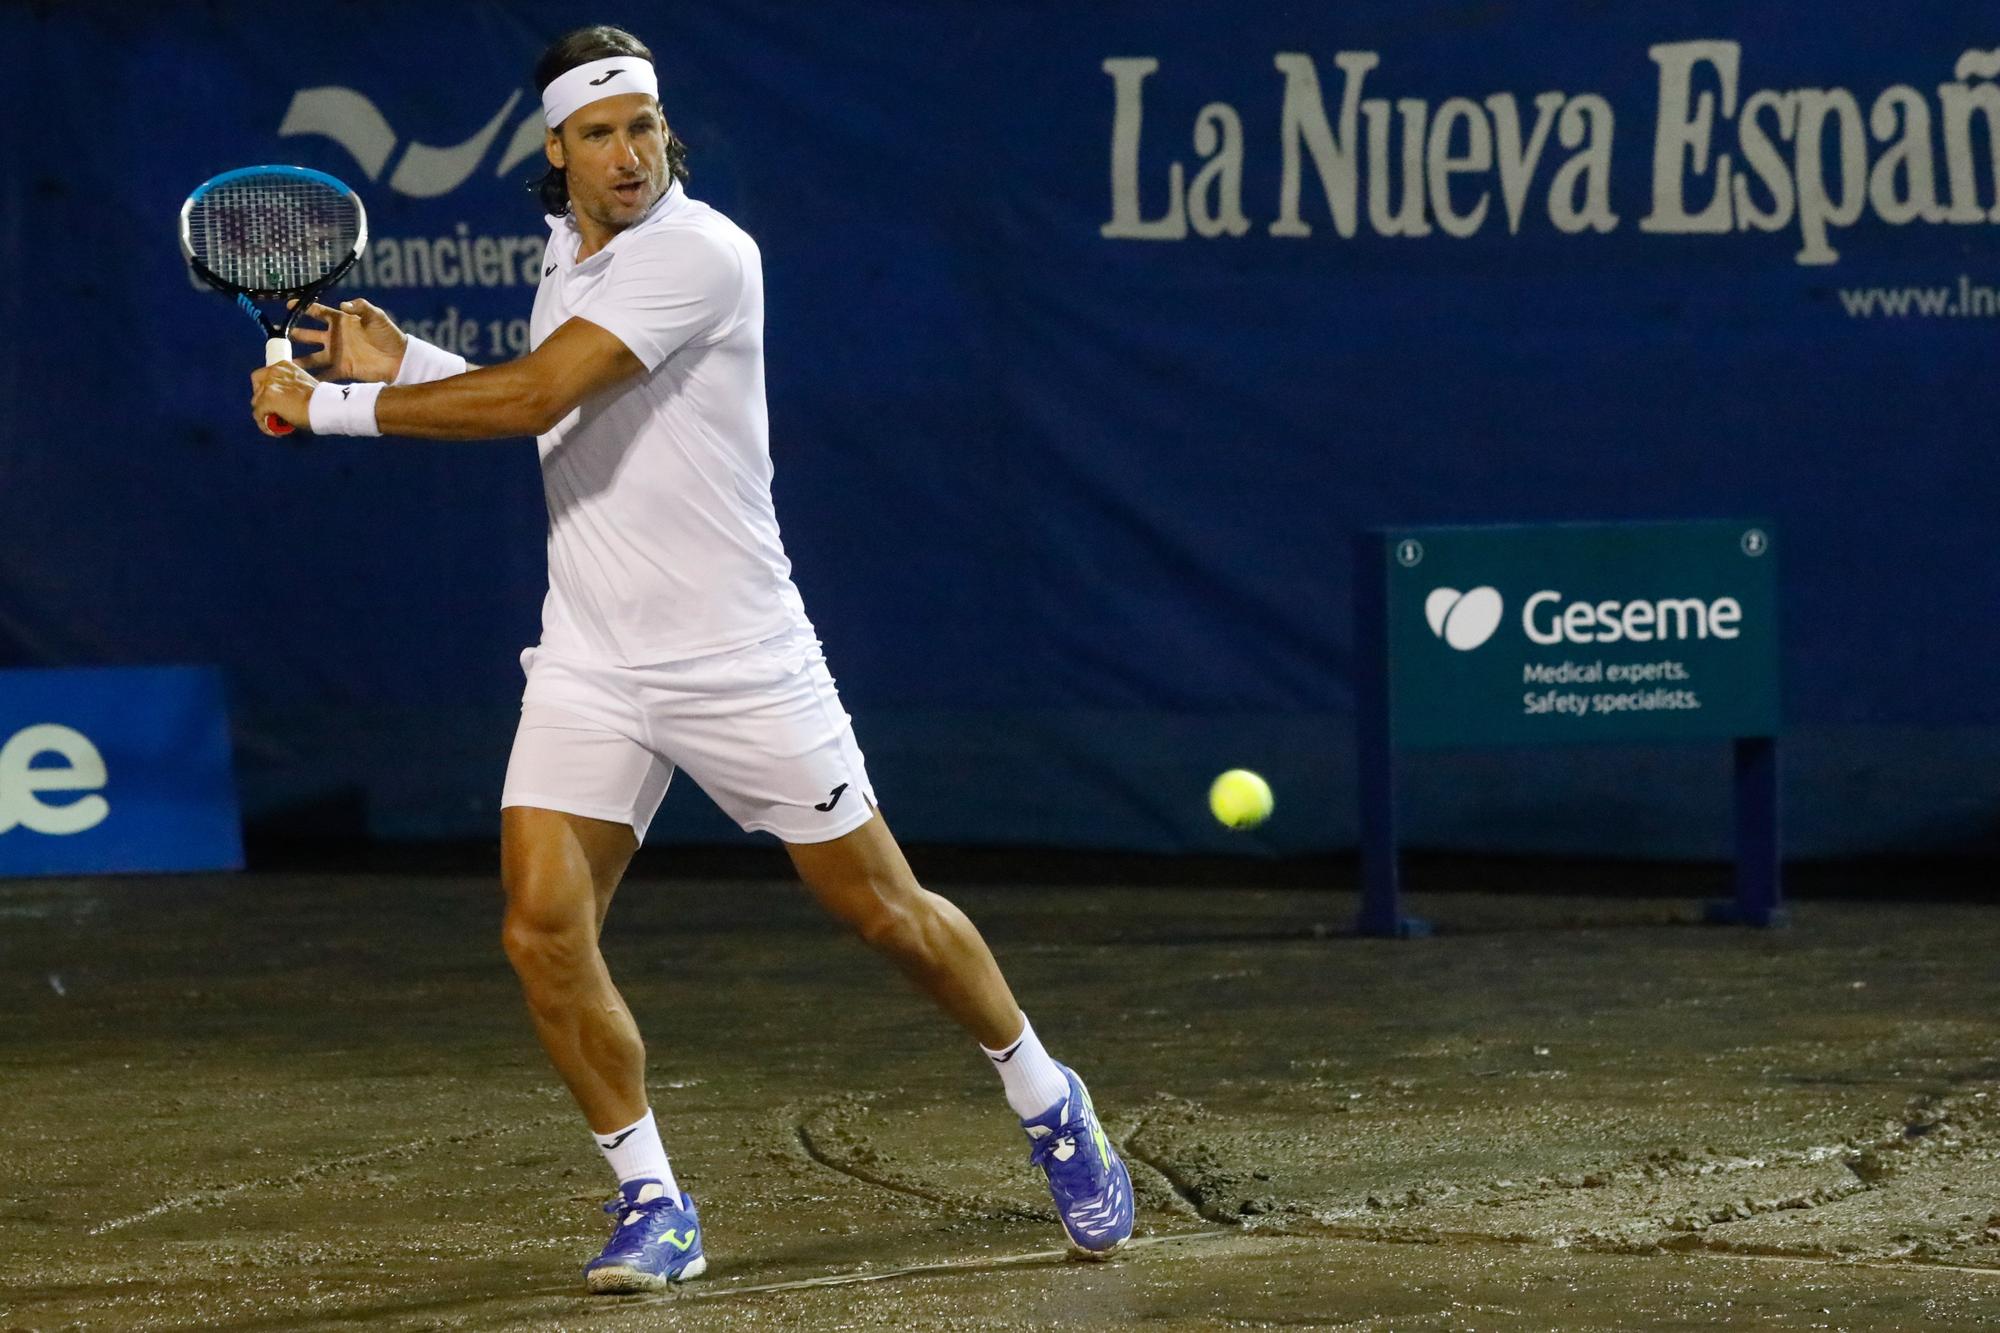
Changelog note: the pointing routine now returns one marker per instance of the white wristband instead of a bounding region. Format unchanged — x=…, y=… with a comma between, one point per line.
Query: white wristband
x=344, y=409
x=424, y=362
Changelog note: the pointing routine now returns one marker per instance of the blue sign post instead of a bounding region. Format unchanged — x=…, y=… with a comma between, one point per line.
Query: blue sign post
x=116, y=769
x=1567, y=634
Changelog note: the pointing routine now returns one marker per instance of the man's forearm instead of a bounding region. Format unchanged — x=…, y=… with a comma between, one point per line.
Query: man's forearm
x=490, y=403
x=527, y=396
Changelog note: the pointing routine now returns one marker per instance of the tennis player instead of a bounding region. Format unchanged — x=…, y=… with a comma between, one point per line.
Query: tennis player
x=672, y=636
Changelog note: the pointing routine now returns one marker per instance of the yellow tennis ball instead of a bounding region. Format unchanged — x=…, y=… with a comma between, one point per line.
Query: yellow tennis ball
x=1240, y=798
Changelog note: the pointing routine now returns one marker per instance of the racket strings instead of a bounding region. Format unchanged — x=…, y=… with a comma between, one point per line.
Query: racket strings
x=273, y=233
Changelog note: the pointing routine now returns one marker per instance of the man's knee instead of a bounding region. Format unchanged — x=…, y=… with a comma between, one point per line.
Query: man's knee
x=549, y=931
x=904, y=924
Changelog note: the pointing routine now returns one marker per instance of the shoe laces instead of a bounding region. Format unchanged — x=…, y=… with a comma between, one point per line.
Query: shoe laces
x=621, y=1207
x=1080, y=1172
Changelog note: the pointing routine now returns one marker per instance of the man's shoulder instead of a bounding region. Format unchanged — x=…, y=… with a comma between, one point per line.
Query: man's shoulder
x=695, y=235
x=695, y=219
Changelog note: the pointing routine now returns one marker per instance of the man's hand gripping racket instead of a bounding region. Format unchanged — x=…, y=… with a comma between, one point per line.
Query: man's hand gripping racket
x=281, y=234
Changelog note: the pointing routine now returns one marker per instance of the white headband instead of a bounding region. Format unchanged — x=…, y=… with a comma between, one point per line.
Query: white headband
x=578, y=88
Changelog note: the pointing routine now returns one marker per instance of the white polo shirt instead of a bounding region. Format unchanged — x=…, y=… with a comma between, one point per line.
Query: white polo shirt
x=663, y=542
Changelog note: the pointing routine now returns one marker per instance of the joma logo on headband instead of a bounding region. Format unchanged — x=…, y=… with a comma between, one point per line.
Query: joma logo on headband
x=606, y=77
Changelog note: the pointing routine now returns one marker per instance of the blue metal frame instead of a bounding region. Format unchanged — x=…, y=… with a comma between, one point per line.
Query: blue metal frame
x=1759, y=861
x=1375, y=748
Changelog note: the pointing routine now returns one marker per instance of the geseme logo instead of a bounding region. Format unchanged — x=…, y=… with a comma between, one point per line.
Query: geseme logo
x=1463, y=620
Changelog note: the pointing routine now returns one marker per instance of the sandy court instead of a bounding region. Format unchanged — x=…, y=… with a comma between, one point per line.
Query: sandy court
x=298, y=1100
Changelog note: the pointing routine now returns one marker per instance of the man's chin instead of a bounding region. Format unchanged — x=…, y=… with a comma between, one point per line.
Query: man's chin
x=612, y=210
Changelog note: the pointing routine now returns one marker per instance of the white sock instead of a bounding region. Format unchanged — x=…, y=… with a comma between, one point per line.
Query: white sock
x=1033, y=1081
x=636, y=1153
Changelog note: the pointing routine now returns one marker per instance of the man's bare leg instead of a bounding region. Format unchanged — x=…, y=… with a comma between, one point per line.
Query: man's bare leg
x=863, y=880
x=560, y=872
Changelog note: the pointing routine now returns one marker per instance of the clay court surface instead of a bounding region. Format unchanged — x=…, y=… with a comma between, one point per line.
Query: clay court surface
x=312, y=1100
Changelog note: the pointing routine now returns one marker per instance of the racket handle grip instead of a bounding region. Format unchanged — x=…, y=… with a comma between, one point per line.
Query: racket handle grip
x=276, y=350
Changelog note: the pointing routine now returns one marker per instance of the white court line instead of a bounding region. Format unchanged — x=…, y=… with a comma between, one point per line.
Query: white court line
x=215, y=1194
x=961, y=1265
x=1212, y=1237
x=1885, y=1265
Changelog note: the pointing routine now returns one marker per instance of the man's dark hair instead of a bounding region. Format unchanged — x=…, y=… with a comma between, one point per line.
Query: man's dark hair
x=580, y=47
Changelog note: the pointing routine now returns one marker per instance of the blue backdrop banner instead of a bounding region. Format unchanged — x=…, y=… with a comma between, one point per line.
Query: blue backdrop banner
x=116, y=769
x=1094, y=332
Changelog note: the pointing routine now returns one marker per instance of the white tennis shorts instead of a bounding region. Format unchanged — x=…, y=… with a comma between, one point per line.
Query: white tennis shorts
x=760, y=729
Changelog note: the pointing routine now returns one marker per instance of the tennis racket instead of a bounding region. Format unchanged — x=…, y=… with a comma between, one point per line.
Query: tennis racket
x=282, y=234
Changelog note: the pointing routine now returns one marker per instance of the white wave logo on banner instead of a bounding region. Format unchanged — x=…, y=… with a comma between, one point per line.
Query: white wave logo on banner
x=354, y=122
x=425, y=274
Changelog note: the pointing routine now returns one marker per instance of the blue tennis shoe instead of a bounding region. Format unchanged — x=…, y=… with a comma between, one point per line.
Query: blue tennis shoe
x=1092, y=1189
x=657, y=1242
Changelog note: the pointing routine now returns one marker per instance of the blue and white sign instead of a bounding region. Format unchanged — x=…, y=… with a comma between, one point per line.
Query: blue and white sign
x=116, y=769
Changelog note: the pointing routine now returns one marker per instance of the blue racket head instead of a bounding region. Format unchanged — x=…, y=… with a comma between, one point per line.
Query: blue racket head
x=272, y=231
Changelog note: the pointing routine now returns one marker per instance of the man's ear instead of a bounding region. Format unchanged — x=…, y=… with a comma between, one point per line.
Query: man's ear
x=552, y=148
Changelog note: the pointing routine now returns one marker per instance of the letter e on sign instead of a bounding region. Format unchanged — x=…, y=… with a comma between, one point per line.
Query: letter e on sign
x=21, y=783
